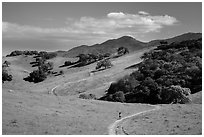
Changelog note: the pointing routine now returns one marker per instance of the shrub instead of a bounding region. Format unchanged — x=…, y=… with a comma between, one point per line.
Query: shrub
x=6, y=63
x=122, y=51
x=6, y=76
x=107, y=55
x=104, y=63
x=137, y=75
x=158, y=73
x=82, y=58
x=46, y=67
x=113, y=88
x=151, y=89
x=67, y=63
x=175, y=94
x=61, y=72
x=148, y=67
x=119, y=97
x=126, y=84
x=116, y=97
x=138, y=97
x=36, y=76
x=87, y=96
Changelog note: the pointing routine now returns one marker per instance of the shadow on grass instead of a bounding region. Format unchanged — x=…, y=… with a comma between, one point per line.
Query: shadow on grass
x=68, y=65
x=134, y=66
x=101, y=69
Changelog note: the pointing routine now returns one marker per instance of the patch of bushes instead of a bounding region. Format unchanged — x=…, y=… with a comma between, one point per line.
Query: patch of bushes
x=36, y=76
x=87, y=96
x=104, y=64
x=122, y=51
x=67, y=63
x=5, y=75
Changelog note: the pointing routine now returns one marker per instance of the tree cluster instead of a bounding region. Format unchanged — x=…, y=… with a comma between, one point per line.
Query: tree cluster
x=17, y=53
x=104, y=64
x=41, y=73
x=42, y=54
x=166, y=75
x=122, y=51
x=86, y=59
x=5, y=75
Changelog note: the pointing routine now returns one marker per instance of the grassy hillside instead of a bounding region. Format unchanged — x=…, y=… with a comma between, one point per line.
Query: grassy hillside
x=58, y=106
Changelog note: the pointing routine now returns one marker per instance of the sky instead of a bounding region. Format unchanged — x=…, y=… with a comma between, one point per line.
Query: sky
x=64, y=25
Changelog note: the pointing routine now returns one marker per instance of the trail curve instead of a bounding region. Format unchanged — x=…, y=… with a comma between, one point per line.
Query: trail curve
x=112, y=129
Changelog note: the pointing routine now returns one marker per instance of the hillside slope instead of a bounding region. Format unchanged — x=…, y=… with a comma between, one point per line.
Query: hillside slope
x=177, y=39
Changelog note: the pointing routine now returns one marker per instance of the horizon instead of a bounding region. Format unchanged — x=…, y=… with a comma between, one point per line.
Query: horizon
x=61, y=26
x=110, y=39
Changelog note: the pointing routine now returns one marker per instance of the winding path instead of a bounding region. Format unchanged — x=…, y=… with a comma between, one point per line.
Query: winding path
x=116, y=127
x=53, y=90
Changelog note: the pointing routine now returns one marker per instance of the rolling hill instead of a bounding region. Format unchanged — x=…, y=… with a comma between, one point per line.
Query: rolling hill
x=109, y=46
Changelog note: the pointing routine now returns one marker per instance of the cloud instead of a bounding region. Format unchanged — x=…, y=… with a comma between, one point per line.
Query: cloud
x=92, y=29
x=116, y=15
x=143, y=13
x=118, y=20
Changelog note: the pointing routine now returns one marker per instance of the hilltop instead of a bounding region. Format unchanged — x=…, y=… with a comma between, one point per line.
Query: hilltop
x=109, y=46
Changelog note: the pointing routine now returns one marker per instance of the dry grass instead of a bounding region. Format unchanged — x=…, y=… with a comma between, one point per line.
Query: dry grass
x=29, y=109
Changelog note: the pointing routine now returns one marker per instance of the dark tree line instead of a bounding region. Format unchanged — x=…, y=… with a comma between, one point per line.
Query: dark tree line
x=42, y=54
x=18, y=52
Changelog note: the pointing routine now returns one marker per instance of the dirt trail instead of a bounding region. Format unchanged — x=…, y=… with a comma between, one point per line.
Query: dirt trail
x=116, y=128
x=54, y=89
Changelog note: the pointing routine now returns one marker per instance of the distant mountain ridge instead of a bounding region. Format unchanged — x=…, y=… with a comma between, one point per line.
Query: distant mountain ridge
x=109, y=46
x=132, y=44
